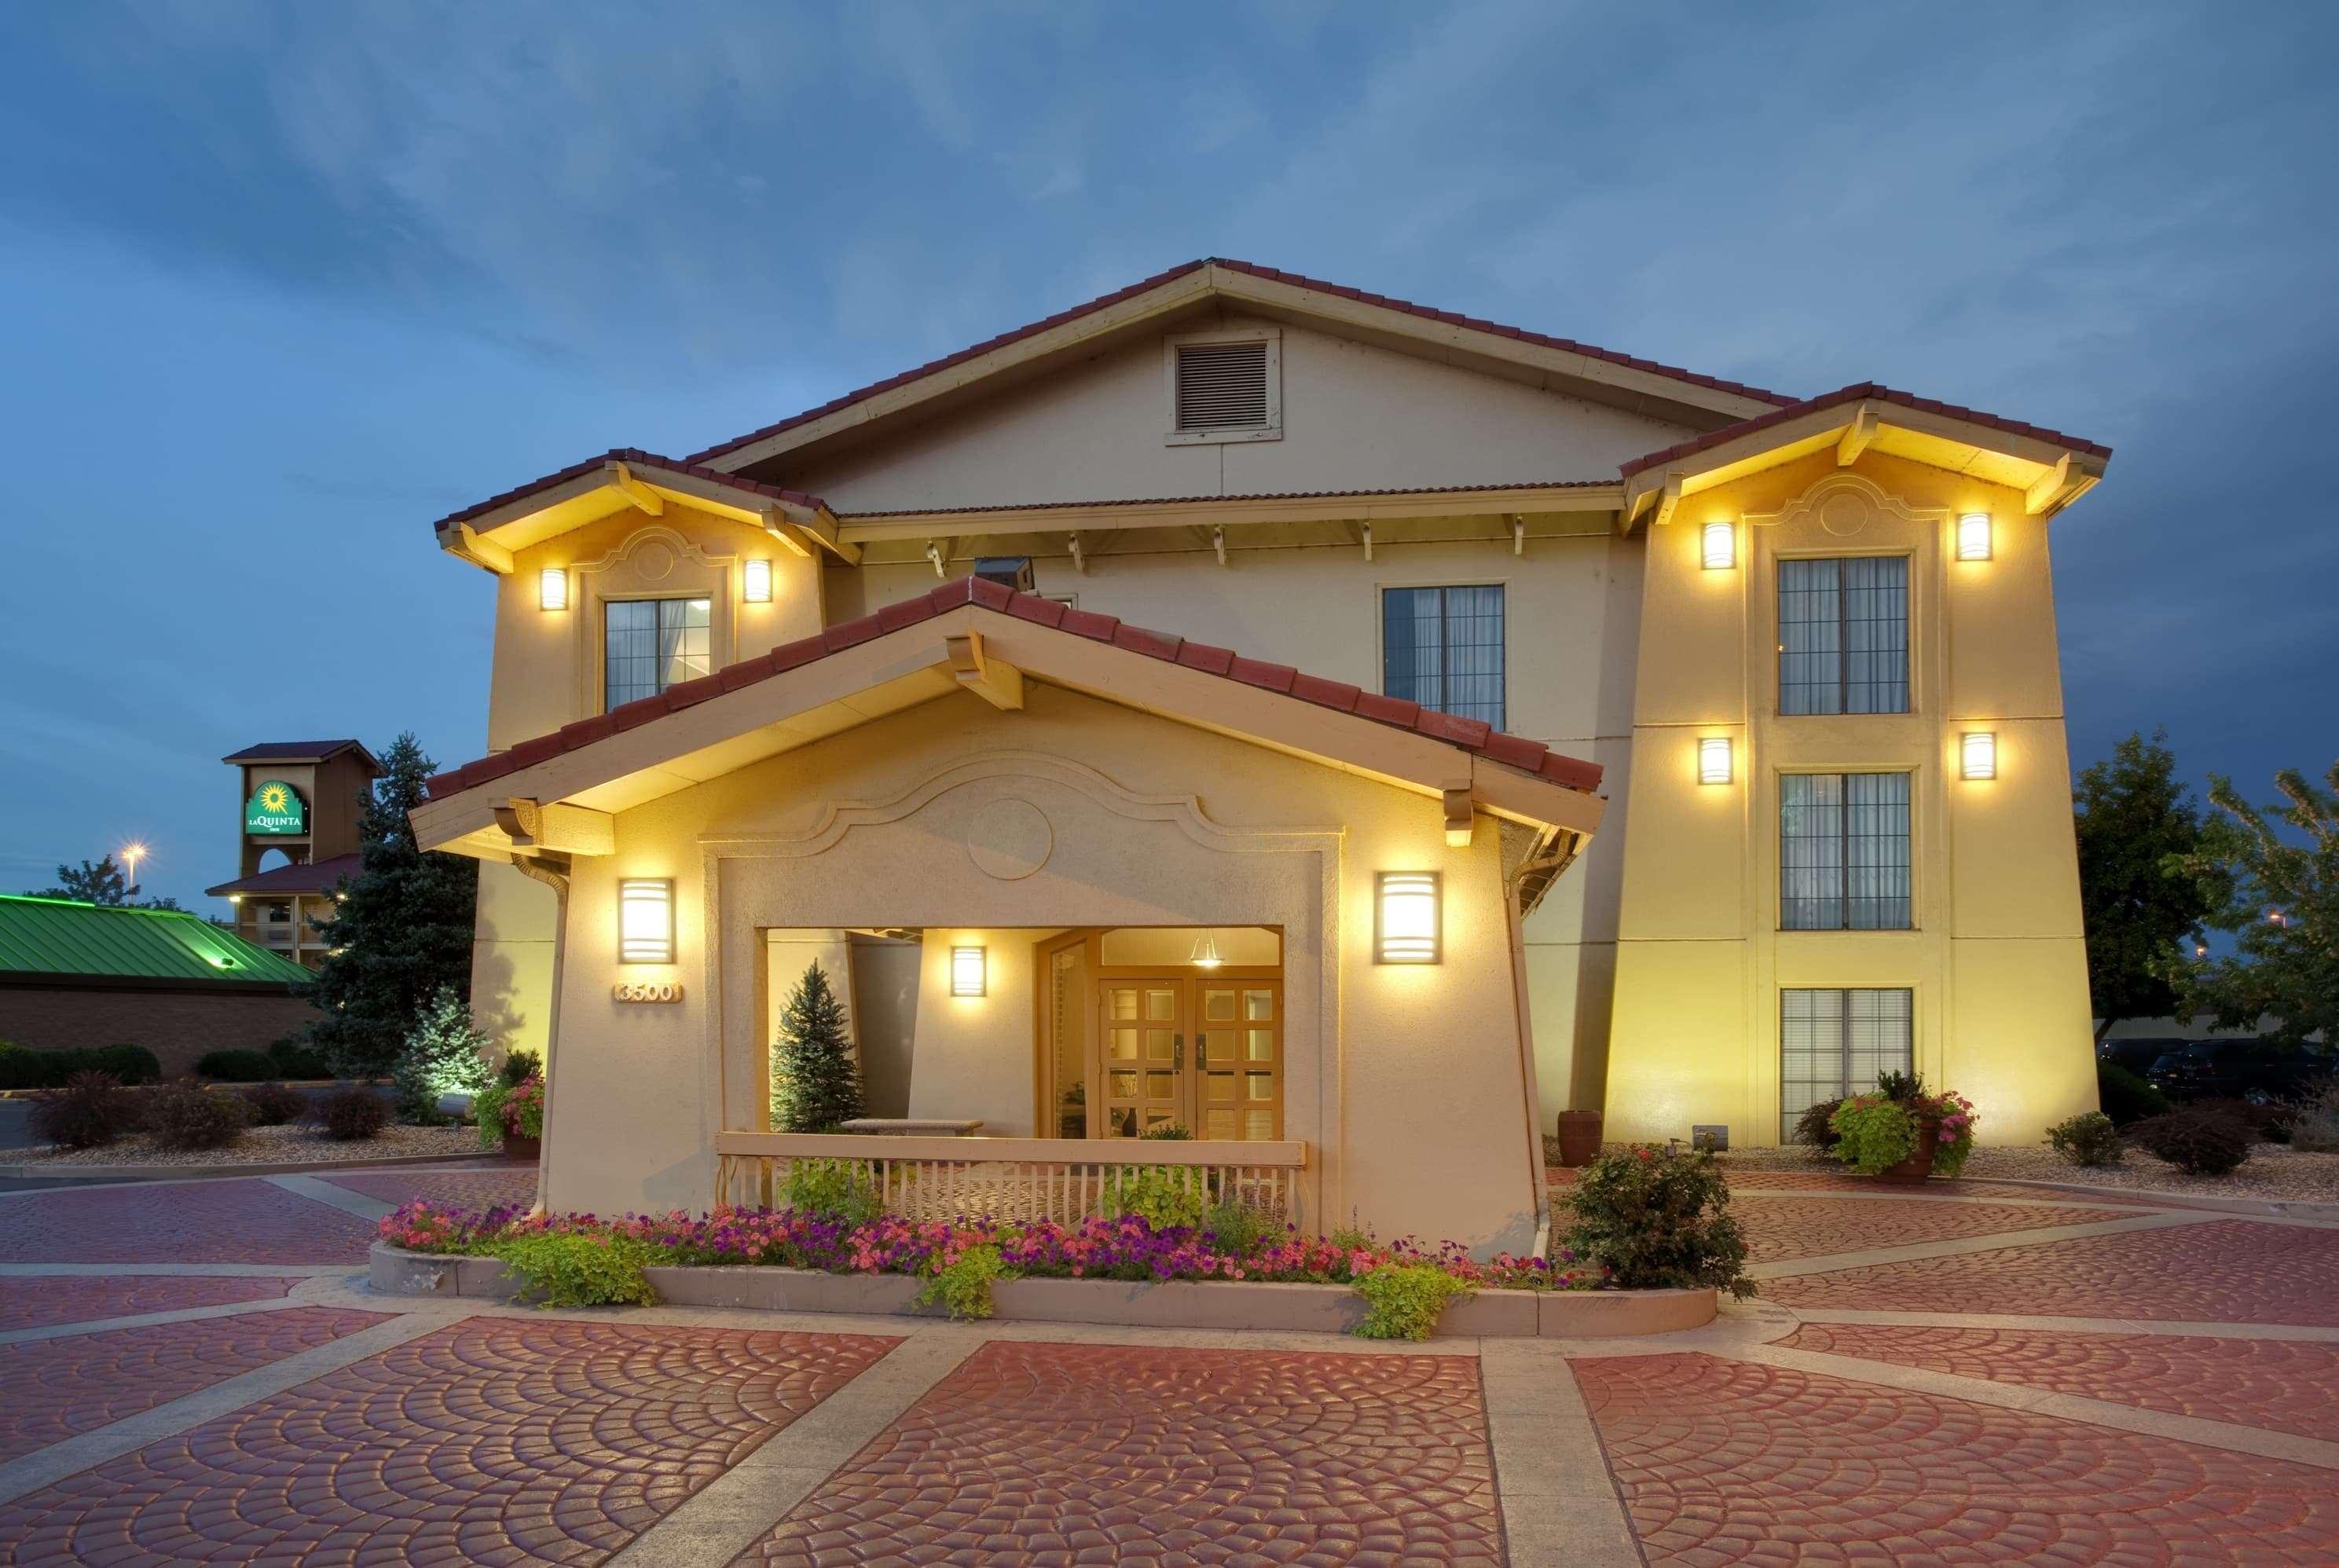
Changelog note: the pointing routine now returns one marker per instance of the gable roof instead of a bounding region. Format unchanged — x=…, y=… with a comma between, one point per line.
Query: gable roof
x=60, y=939
x=300, y=752
x=1859, y=393
x=304, y=876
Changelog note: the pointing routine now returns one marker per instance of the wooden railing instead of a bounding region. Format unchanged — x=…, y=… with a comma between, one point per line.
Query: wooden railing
x=1059, y=1178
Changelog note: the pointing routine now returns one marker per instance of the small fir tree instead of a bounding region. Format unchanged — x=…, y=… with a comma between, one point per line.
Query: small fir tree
x=816, y=1082
x=445, y=1054
x=401, y=931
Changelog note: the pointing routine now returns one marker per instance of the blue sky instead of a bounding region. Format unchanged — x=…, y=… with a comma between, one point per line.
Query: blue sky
x=281, y=284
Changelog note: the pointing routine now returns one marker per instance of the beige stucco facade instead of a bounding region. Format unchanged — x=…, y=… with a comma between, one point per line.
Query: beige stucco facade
x=1404, y=451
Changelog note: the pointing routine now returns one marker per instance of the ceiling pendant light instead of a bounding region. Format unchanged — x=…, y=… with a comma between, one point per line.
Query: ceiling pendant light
x=1205, y=951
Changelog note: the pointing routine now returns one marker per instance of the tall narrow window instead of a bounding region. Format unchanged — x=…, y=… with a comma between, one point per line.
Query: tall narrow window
x=1843, y=851
x=1443, y=648
x=1843, y=635
x=1833, y=1043
x=652, y=644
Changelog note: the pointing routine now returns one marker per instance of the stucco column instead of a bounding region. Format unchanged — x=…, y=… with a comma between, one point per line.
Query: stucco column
x=558, y=880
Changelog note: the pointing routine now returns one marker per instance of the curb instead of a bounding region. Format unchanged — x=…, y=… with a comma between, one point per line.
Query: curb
x=118, y=1175
x=2274, y=1208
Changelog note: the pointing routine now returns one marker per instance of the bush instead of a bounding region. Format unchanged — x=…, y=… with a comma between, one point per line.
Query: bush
x=24, y=1068
x=569, y=1271
x=295, y=1058
x=89, y=1111
x=840, y=1189
x=2314, y=1123
x=1814, y=1129
x=2199, y=1140
x=236, y=1065
x=1163, y=1196
x=274, y=1104
x=186, y=1115
x=1658, y=1220
x=1239, y=1229
x=2087, y=1139
x=2125, y=1097
x=961, y=1287
x=1877, y=1132
x=445, y=1053
x=130, y=1063
x=351, y=1114
x=2268, y=1123
x=1404, y=1301
x=521, y=1066
x=1167, y=1132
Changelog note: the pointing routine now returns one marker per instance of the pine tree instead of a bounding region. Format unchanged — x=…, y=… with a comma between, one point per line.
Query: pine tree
x=401, y=931
x=445, y=1053
x=816, y=1082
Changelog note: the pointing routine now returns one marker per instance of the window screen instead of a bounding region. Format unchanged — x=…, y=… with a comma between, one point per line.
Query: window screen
x=1833, y=1043
x=1843, y=635
x=1443, y=648
x=652, y=644
x=1843, y=851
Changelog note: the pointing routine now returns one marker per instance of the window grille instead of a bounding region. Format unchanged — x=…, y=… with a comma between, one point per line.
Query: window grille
x=649, y=645
x=1832, y=1043
x=1843, y=635
x=1843, y=851
x=1443, y=648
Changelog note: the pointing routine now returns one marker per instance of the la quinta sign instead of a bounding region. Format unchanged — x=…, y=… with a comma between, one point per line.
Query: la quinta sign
x=275, y=807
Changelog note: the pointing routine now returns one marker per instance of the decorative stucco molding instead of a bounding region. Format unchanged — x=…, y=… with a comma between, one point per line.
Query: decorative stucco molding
x=1845, y=505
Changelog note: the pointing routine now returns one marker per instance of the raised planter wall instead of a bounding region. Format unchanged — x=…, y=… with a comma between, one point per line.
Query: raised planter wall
x=1170, y=1304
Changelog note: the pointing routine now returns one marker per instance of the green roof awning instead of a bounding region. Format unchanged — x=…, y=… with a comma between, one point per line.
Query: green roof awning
x=52, y=936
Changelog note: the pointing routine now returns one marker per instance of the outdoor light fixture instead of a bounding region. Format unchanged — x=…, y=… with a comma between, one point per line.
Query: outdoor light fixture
x=966, y=972
x=1713, y=760
x=1720, y=542
x=1408, y=927
x=758, y=581
x=1978, y=754
x=1205, y=951
x=1973, y=536
x=552, y=589
x=645, y=920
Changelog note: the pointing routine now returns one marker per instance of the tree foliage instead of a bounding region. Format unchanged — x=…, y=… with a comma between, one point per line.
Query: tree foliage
x=101, y=883
x=445, y=1053
x=2133, y=815
x=816, y=1083
x=2278, y=891
x=402, y=932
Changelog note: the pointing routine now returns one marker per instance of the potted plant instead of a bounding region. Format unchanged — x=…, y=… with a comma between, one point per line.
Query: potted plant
x=1902, y=1132
x=511, y=1116
x=1579, y=1137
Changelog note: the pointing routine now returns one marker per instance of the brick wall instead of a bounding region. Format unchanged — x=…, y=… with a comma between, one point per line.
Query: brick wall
x=176, y=1026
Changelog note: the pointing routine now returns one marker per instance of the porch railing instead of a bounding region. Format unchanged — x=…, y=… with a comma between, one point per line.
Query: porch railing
x=1029, y=1178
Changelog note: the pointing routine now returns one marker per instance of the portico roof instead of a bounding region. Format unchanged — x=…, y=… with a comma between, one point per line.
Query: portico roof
x=980, y=636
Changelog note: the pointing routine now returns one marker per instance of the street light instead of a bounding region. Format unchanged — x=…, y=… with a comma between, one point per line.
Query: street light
x=132, y=853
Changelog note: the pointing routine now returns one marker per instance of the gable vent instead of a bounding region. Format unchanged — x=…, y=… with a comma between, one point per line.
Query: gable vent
x=1221, y=385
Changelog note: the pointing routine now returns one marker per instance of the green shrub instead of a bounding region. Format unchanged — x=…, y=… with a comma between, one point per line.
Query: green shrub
x=572, y=1270
x=445, y=1053
x=351, y=1114
x=1404, y=1301
x=1161, y=1195
x=274, y=1104
x=186, y=1115
x=1167, y=1132
x=838, y=1189
x=236, y=1065
x=1873, y=1133
x=2268, y=1123
x=1659, y=1220
x=2314, y=1122
x=23, y=1069
x=962, y=1287
x=2088, y=1139
x=89, y=1111
x=2199, y=1140
x=521, y=1066
x=130, y=1063
x=1813, y=1129
x=295, y=1058
x=2125, y=1096
x=1238, y=1229
x=487, y=1113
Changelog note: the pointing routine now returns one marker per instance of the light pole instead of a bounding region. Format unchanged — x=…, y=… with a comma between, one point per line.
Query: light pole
x=132, y=853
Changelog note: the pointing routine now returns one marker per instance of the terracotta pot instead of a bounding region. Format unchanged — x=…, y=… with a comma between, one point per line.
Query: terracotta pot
x=1579, y=1137
x=1919, y=1166
x=518, y=1147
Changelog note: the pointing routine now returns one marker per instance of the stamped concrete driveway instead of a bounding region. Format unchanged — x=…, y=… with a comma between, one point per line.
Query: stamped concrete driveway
x=194, y=1371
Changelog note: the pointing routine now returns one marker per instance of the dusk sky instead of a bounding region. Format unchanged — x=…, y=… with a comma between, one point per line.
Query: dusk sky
x=283, y=284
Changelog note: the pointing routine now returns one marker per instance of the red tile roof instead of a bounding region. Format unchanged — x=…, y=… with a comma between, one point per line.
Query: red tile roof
x=1469, y=735
x=634, y=458
x=1106, y=302
x=1204, y=500
x=316, y=876
x=1859, y=392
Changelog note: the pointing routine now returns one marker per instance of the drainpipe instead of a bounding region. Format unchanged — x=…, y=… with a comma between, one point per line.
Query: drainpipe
x=552, y=871
x=1531, y=1098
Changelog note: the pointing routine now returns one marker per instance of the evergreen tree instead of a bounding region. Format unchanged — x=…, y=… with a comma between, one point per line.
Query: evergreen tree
x=2278, y=891
x=402, y=932
x=2131, y=814
x=445, y=1053
x=816, y=1082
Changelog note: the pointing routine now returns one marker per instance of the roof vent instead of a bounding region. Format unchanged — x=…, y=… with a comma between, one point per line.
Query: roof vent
x=1013, y=572
x=1222, y=386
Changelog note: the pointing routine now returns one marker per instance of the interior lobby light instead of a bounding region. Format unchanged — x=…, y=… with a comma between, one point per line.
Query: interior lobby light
x=1720, y=542
x=645, y=920
x=1978, y=754
x=757, y=581
x=1973, y=536
x=967, y=971
x=552, y=589
x=1406, y=924
x=1714, y=760
x=1205, y=951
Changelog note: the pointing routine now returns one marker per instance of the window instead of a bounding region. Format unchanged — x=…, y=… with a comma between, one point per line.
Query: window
x=1226, y=387
x=1843, y=635
x=652, y=644
x=1443, y=648
x=1843, y=851
x=1833, y=1043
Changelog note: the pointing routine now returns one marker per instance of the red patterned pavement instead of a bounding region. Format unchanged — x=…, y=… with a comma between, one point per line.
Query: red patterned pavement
x=1725, y=1462
x=237, y=1221
x=2283, y=1385
x=1783, y=1228
x=496, y=1441
x=37, y=1303
x=51, y=1389
x=461, y=1189
x=1042, y=1453
x=2220, y=1271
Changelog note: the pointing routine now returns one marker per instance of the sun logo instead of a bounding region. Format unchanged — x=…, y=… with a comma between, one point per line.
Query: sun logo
x=275, y=798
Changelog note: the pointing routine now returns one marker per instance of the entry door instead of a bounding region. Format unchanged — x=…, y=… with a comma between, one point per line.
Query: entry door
x=1238, y=1058
x=1142, y=1025
x=1205, y=1053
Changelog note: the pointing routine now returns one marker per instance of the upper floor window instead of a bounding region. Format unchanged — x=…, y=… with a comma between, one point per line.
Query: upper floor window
x=652, y=644
x=1843, y=851
x=1443, y=648
x=1843, y=635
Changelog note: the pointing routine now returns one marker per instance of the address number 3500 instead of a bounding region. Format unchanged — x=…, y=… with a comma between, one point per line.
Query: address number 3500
x=664, y=992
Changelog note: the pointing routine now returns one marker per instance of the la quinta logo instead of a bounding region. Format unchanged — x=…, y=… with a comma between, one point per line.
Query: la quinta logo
x=275, y=807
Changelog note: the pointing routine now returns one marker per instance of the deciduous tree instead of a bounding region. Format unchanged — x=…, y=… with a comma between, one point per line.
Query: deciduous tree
x=2133, y=815
x=2280, y=897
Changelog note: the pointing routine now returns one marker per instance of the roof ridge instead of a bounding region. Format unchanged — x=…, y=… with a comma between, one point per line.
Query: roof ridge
x=631, y=455
x=1857, y=392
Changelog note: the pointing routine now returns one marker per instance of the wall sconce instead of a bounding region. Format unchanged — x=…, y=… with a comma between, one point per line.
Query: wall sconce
x=756, y=581
x=1978, y=754
x=1973, y=536
x=1407, y=919
x=645, y=920
x=552, y=589
x=967, y=971
x=1721, y=543
x=1713, y=760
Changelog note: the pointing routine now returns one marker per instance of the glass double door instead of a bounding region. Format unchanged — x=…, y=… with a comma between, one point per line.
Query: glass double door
x=1204, y=1054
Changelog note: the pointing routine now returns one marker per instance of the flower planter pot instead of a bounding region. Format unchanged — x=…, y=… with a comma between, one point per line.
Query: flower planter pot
x=1579, y=1137
x=524, y=1148
x=1919, y=1166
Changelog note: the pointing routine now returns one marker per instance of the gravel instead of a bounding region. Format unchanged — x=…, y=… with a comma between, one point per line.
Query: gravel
x=269, y=1145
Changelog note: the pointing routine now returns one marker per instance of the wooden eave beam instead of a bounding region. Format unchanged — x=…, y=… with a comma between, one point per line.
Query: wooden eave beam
x=622, y=478
x=1212, y=511
x=558, y=828
x=1856, y=436
x=995, y=680
x=464, y=544
x=2073, y=476
x=1461, y=816
x=1668, y=499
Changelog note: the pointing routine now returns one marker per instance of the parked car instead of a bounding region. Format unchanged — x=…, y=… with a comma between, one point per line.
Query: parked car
x=2138, y=1055
x=2252, y=1069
